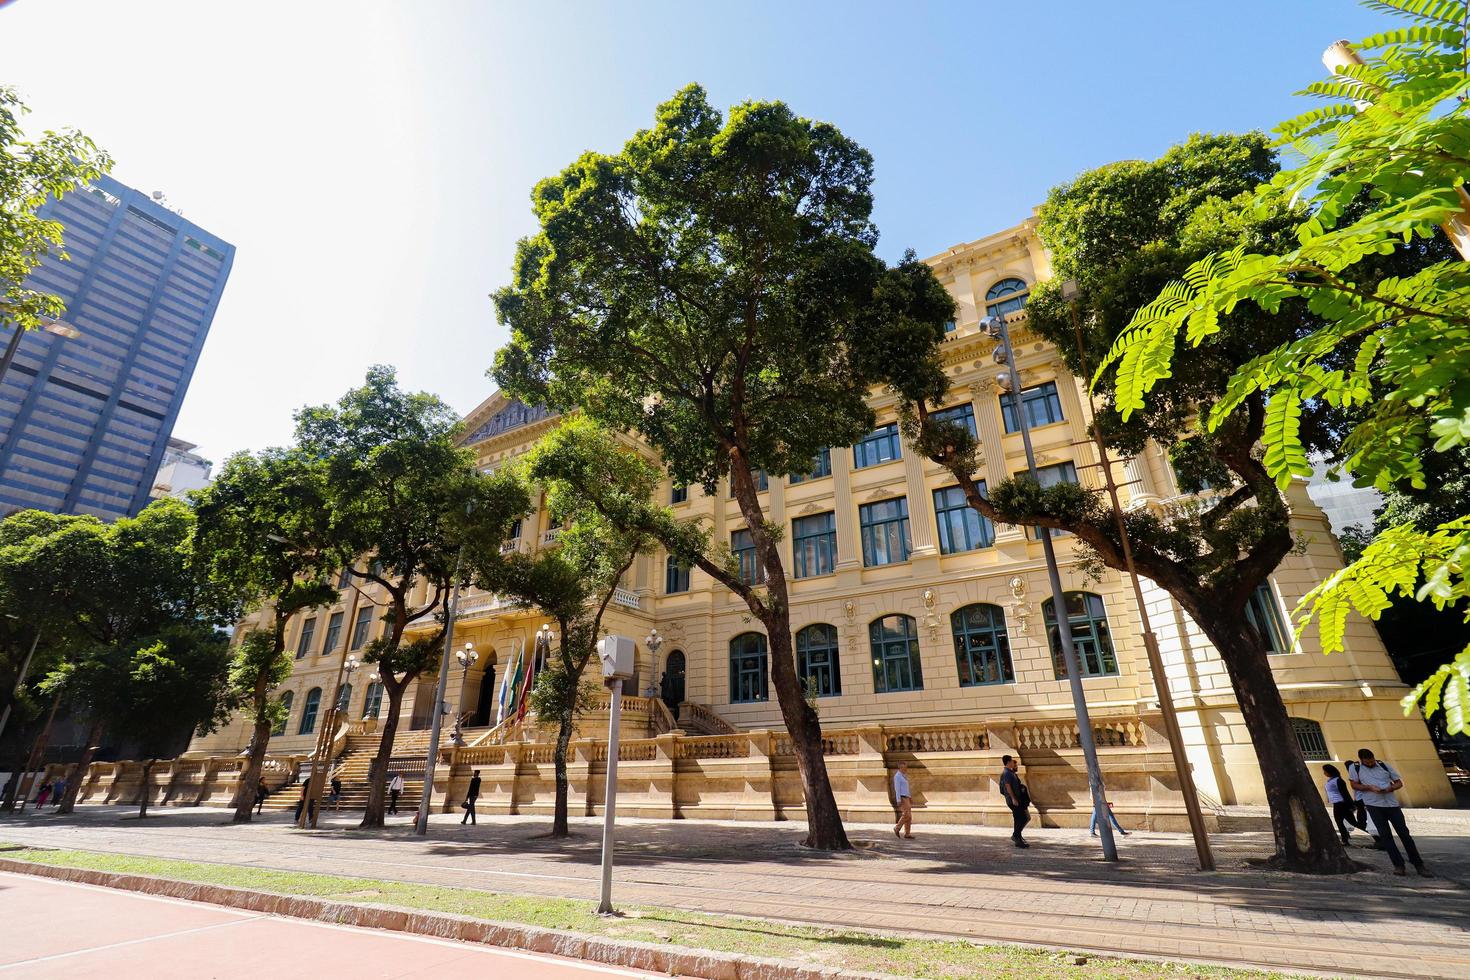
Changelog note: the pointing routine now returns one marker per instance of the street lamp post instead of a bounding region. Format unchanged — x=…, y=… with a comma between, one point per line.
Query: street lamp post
x=654, y=642
x=1010, y=380
x=421, y=820
x=318, y=778
x=466, y=658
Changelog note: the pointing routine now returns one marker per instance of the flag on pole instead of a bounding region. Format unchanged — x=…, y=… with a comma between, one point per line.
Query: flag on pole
x=508, y=687
x=524, y=701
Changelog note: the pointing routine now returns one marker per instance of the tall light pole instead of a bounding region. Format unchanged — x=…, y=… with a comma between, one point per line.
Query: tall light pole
x=654, y=642
x=466, y=658
x=1010, y=380
x=421, y=820
x=1182, y=769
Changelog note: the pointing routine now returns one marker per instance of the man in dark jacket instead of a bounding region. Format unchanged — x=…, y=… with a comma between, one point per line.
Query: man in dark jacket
x=470, y=796
x=1017, y=798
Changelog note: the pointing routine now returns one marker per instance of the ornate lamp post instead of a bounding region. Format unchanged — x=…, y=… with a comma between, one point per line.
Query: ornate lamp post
x=466, y=658
x=654, y=642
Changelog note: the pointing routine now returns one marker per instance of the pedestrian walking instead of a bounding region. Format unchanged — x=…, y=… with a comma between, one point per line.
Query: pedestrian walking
x=1016, y=797
x=1344, y=808
x=471, y=795
x=336, y=792
x=58, y=791
x=395, y=787
x=43, y=795
x=903, y=803
x=1378, y=783
x=1111, y=816
x=305, y=802
x=261, y=792
x=1360, y=809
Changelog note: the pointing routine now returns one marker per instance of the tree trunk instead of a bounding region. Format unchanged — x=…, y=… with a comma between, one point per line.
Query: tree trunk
x=559, y=826
x=250, y=775
x=143, y=790
x=1305, y=838
x=823, y=820
x=79, y=771
x=377, y=805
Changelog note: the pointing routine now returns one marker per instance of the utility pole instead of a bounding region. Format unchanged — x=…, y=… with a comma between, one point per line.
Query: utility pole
x=1005, y=354
x=1182, y=768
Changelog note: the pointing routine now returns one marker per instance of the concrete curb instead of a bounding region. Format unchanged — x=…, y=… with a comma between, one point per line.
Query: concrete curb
x=653, y=958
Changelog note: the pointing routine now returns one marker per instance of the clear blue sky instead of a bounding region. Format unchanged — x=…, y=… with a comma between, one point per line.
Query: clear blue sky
x=371, y=160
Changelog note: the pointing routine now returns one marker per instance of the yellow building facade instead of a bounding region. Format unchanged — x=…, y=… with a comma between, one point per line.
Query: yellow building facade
x=911, y=614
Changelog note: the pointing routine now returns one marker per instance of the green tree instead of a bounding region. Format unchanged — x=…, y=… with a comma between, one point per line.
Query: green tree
x=396, y=491
x=574, y=582
x=249, y=522
x=1381, y=171
x=1119, y=233
x=710, y=288
x=31, y=171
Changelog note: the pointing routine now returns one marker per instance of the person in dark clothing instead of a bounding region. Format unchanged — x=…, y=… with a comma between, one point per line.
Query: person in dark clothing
x=311, y=811
x=395, y=787
x=336, y=792
x=471, y=795
x=261, y=792
x=1017, y=798
x=1379, y=784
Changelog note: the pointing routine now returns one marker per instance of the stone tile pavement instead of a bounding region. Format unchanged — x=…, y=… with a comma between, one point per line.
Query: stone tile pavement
x=950, y=881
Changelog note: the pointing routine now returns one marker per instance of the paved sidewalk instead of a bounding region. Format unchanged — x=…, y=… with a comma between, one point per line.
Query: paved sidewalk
x=966, y=882
x=80, y=931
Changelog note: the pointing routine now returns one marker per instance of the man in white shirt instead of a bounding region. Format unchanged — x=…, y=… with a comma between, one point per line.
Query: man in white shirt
x=903, y=802
x=1378, y=783
x=394, y=789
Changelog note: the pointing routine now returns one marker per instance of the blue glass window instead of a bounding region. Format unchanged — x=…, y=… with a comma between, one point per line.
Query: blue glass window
x=676, y=576
x=895, y=643
x=748, y=668
x=885, y=531
x=1043, y=407
x=961, y=527
x=821, y=466
x=1264, y=613
x=303, y=642
x=814, y=545
x=1006, y=296
x=960, y=415
x=752, y=572
x=309, y=710
x=879, y=446
x=1088, y=619
x=816, y=660
x=982, y=648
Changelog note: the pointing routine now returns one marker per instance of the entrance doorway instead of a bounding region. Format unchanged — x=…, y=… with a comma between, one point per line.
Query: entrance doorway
x=485, y=705
x=671, y=687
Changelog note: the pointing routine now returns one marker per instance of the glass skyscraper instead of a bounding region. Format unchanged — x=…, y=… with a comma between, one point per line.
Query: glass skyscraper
x=84, y=421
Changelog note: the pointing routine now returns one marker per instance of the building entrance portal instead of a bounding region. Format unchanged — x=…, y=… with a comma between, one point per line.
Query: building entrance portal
x=671, y=687
x=485, y=704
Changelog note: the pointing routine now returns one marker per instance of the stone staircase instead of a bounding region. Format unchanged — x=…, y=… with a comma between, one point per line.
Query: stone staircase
x=352, y=767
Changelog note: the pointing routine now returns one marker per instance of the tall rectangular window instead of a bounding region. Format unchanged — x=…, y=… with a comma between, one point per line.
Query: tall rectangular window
x=960, y=415
x=1043, y=407
x=344, y=578
x=676, y=576
x=885, y=531
x=678, y=494
x=1050, y=476
x=303, y=642
x=334, y=633
x=762, y=483
x=961, y=527
x=814, y=545
x=879, y=446
x=752, y=572
x=1264, y=613
x=821, y=466
x=362, y=626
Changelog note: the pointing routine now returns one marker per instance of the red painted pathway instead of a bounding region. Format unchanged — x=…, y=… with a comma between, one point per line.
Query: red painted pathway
x=83, y=931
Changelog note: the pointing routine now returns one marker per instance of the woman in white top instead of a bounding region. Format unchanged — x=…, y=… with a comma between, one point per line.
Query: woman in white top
x=1344, y=810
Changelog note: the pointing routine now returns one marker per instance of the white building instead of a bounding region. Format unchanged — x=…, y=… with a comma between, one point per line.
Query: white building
x=181, y=470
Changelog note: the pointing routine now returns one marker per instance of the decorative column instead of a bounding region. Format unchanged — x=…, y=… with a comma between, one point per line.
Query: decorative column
x=921, y=507
x=849, y=555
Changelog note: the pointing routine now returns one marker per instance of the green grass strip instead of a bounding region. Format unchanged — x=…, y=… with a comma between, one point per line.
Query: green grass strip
x=856, y=950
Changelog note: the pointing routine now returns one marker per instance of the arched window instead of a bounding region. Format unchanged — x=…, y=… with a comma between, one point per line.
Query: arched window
x=286, y=700
x=895, y=642
x=308, y=711
x=1006, y=296
x=982, y=650
x=748, y=668
x=372, y=700
x=344, y=697
x=1310, y=740
x=1089, y=621
x=816, y=660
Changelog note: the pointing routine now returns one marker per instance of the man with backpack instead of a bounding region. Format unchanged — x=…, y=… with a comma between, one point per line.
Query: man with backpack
x=1016, y=797
x=1378, y=783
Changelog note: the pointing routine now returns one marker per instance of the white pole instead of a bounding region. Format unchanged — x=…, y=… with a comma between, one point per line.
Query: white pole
x=610, y=796
x=421, y=820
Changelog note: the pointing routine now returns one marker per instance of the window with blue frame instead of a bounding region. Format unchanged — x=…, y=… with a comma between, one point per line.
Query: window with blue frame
x=309, y=710
x=821, y=466
x=1264, y=613
x=982, y=648
x=879, y=446
x=762, y=483
x=303, y=642
x=961, y=527
x=1006, y=296
x=885, y=531
x=1088, y=620
x=748, y=668
x=1042, y=403
x=373, y=700
x=814, y=545
x=895, y=644
x=1050, y=476
x=816, y=660
x=960, y=415
x=676, y=576
x=949, y=326
x=742, y=545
